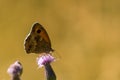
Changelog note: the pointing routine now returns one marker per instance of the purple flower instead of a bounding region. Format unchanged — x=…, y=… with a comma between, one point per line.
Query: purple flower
x=45, y=61
x=15, y=70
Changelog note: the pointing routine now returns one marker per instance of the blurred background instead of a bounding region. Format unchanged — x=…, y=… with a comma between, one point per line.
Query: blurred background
x=84, y=33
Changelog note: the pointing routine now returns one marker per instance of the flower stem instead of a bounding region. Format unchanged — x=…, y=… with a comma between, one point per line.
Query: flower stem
x=15, y=77
x=50, y=74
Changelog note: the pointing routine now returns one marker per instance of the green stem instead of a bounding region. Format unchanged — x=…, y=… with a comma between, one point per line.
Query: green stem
x=15, y=77
x=50, y=74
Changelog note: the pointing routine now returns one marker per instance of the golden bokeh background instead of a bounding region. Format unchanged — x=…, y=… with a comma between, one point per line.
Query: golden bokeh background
x=84, y=33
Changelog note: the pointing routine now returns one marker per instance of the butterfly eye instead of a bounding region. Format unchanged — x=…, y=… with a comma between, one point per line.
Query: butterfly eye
x=38, y=31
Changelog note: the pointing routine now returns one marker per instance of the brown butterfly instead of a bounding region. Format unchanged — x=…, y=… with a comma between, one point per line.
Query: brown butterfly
x=38, y=40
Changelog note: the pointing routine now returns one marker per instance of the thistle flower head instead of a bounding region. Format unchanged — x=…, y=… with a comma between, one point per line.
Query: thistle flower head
x=45, y=59
x=15, y=69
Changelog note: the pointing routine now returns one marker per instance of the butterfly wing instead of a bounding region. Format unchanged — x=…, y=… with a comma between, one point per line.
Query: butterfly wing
x=38, y=40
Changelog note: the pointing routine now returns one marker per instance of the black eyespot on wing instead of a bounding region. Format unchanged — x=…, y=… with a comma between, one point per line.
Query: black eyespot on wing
x=38, y=31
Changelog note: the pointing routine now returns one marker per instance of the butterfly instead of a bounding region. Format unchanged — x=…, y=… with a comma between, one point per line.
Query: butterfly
x=38, y=40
